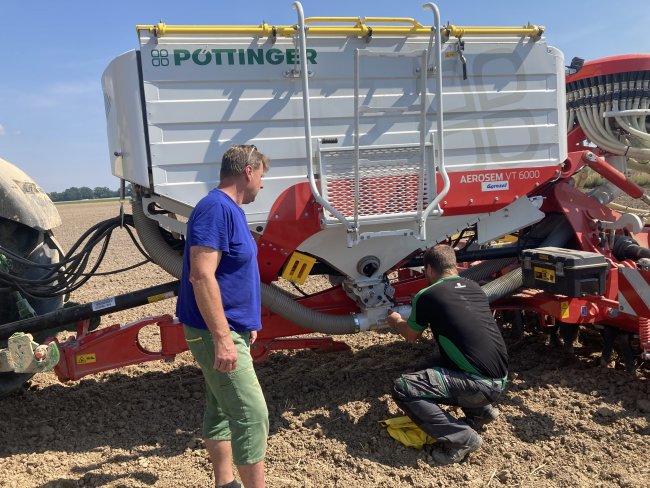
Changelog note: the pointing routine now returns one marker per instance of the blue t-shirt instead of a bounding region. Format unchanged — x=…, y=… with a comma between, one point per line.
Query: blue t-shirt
x=218, y=222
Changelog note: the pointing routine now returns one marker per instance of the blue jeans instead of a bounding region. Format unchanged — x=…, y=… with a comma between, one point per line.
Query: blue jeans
x=419, y=395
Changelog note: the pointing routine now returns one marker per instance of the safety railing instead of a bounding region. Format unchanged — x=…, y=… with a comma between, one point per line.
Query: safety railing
x=360, y=27
x=436, y=164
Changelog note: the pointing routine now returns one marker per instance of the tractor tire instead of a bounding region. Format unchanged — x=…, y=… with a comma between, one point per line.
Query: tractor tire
x=12, y=382
x=37, y=246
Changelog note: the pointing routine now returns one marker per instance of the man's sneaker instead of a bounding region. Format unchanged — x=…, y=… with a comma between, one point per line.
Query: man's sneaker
x=478, y=422
x=453, y=455
x=232, y=484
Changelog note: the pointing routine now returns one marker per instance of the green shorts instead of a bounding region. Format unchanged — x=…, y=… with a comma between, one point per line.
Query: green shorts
x=235, y=407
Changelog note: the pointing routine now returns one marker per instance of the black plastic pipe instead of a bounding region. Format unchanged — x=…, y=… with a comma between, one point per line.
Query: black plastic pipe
x=90, y=310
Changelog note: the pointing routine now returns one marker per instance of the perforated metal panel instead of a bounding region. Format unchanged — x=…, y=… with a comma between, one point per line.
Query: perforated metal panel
x=389, y=179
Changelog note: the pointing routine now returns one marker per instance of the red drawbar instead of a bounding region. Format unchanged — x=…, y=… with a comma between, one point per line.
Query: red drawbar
x=116, y=346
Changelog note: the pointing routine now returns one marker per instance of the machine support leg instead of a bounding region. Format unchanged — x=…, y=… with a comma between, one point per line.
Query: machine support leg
x=614, y=337
x=517, y=324
x=644, y=337
x=554, y=339
x=569, y=334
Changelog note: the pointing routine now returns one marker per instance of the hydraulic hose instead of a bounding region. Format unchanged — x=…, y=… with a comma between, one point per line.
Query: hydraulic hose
x=277, y=302
x=485, y=269
x=508, y=283
x=627, y=248
x=624, y=208
x=505, y=285
x=597, y=102
x=154, y=243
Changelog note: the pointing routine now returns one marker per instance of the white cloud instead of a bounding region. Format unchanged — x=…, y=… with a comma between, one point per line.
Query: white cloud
x=2, y=130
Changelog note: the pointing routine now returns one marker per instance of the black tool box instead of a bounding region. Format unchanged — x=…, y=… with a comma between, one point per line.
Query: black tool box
x=564, y=271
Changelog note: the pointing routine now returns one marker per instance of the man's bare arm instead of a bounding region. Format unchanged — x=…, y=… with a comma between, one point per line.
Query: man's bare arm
x=399, y=326
x=203, y=265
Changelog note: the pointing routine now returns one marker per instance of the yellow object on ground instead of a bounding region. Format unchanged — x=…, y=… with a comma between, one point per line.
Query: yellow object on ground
x=405, y=431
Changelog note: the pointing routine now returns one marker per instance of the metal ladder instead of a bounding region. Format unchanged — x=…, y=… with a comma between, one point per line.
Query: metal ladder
x=342, y=169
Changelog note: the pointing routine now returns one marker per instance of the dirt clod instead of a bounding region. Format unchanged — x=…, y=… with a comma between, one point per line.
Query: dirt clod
x=643, y=405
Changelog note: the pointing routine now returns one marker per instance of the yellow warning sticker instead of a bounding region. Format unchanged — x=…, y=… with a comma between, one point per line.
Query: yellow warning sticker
x=544, y=274
x=450, y=54
x=160, y=296
x=86, y=358
x=564, y=310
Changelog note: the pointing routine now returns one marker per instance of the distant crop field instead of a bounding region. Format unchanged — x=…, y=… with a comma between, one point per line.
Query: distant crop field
x=88, y=200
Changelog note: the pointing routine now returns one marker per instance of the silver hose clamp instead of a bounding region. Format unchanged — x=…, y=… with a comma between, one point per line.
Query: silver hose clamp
x=357, y=323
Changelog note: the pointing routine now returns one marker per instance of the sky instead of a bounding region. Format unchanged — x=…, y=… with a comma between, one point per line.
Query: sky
x=53, y=53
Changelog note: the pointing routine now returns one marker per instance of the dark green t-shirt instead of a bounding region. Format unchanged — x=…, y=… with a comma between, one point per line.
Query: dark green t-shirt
x=459, y=315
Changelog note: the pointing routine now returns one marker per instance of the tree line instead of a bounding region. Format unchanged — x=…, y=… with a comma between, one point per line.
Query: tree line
x=86, y=193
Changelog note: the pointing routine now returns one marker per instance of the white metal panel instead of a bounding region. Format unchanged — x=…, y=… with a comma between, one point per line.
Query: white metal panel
x=489, y=140
x=330, y=246
x=508, y=113
x=205, y=89
x=337, y=126
x=252, y=110
x=124, y=122
x=519, y=214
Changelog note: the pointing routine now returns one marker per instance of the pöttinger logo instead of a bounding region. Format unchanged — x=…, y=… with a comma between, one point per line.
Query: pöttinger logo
x=159, y=57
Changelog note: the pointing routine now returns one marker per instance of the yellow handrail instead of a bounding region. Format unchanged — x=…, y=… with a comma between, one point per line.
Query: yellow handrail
x=356, y=20
x=360, y=28
x=407, y=20
x=527, y=30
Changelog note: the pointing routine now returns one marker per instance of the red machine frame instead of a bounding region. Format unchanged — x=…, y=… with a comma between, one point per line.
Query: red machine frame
x=296, y=216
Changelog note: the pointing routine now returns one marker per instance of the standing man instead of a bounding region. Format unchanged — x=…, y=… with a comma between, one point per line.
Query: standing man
x=219, y=303
x=474, y=365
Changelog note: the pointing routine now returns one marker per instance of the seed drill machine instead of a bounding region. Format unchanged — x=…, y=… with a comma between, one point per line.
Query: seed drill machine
x=386, y=136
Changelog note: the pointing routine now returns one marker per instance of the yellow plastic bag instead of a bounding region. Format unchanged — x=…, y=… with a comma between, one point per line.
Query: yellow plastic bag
x=405, y=431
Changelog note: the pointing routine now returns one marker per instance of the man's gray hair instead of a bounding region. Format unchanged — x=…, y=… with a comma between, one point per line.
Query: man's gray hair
x=441, y=258
x=238, y=156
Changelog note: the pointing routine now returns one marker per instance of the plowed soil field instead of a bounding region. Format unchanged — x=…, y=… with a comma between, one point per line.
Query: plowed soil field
x=565, y=419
